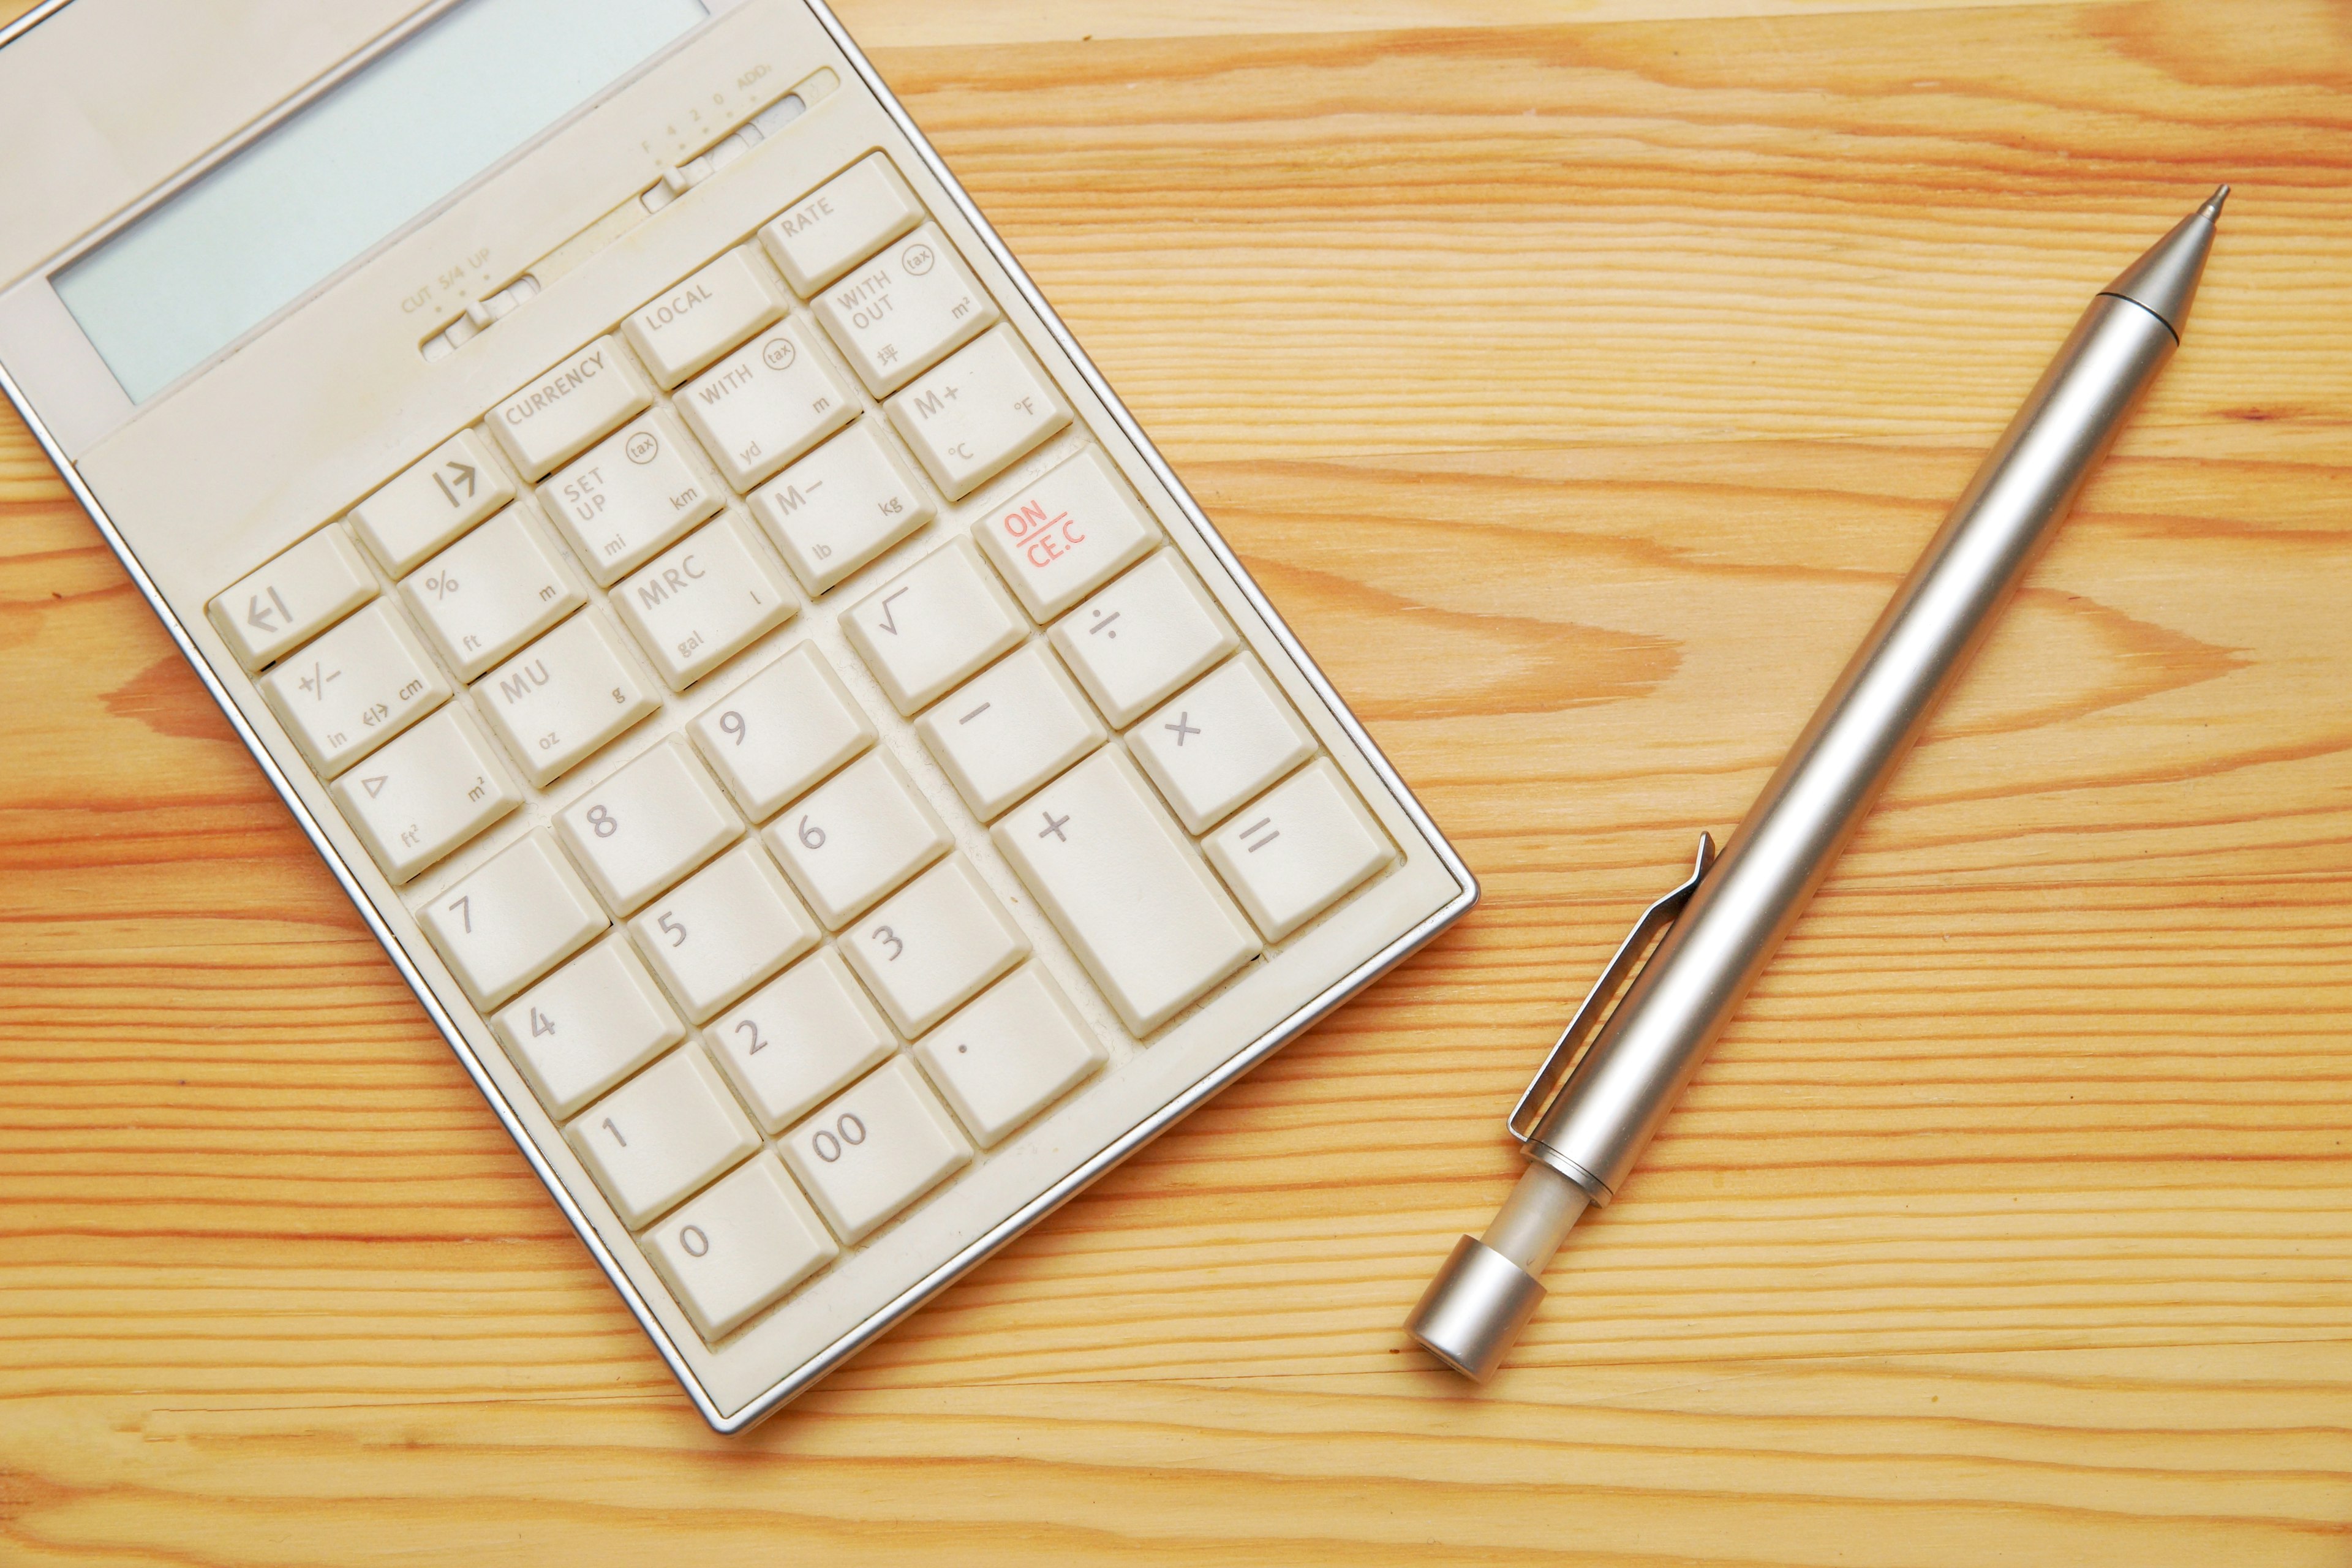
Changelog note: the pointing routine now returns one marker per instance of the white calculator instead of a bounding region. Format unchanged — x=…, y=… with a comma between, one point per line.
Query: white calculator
x=832, y=787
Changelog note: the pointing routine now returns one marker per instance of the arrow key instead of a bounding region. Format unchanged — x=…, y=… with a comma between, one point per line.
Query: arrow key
x=292, y=599
x=456, y=485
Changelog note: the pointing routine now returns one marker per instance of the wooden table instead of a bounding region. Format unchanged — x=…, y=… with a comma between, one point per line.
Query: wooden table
x=1578, y=378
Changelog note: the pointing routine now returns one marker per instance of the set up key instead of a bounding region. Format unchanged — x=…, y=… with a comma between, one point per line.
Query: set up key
x=631, y=495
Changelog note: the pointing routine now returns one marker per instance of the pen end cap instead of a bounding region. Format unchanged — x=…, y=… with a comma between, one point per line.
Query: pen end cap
x=1473, y=1311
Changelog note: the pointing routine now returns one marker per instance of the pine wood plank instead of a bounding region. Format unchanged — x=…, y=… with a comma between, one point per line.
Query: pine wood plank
x=1579, y=392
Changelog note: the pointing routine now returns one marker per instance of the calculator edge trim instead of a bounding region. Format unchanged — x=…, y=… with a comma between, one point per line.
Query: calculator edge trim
x=1104, y=1159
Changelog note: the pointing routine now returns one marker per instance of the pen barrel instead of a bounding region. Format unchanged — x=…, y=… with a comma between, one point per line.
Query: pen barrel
x=1646, y=1053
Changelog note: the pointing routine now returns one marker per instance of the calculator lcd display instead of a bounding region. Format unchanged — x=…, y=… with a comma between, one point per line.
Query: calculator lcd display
x=346, y=171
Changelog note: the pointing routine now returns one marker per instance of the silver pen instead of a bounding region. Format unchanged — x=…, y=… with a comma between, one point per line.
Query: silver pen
x=1723, y=925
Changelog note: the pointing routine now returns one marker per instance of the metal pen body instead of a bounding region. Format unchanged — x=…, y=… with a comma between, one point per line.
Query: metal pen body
x=1645, y=1055
x=1729, y=918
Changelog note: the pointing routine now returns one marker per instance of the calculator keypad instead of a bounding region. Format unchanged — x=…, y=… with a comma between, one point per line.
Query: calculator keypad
x=755, y=970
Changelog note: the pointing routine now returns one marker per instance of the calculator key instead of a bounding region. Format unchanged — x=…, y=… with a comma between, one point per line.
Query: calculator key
x=724, y=930
x=931, y=628
x=426, y=793
x=587, y=1026
x=1067, y=535
x=740, y=1248
x=1133, y=644
x=1290, y=855
x=293, y=599
x=782, y=732
x=928, y=949
x=560, y=414
x=856, y=837
x=662, y=1135
x=510, y=922
x=984, y=409
x=842, y=505
x=1126, y=889
x=896, y=315
x=876, y=1150
x=765, y=404
x=702, y=317
x=1005, y=734
x=799, y=1038
x=647, y=825
x=1008, y=1056
x=701, y=603
x=631, y=494
x=490, y=592
x=563, y=698
x=356, y=688
x=456, y=485
x=841, y=222
x=1221, y=741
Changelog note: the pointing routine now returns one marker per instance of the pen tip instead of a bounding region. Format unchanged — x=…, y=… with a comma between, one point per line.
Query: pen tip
x=2212, y=207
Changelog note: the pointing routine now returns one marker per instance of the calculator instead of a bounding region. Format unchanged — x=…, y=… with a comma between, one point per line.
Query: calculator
x=832, y=789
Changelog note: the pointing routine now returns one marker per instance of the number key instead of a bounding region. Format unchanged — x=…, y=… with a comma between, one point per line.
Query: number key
x=740, y=1247
x=927, y=950
x=857, y=837
x=780, y=732
x=660, y=1136
x=876, y=1150
x=587, y=1026
x=508, y=923
x=723, y=930
x=799, y=1037
x=647, y=825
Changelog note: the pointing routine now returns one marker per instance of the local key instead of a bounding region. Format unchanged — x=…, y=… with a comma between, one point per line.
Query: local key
x=688, y=326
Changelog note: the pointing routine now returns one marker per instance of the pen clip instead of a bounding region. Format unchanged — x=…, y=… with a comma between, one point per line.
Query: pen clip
x=1613, y=979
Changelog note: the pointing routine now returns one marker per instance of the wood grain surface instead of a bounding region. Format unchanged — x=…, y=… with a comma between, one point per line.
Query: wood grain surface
x=1579, y=385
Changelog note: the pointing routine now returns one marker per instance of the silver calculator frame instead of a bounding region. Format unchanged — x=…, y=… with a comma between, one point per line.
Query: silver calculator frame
x=977, y=1251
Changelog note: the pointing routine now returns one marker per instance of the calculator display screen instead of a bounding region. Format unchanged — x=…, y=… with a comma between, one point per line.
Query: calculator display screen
x=347, y=171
